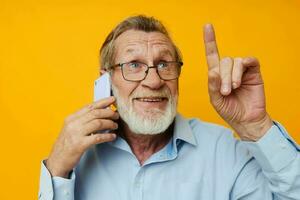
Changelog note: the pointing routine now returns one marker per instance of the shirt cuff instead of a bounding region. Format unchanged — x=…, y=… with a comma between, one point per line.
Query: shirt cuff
x=58, y=187
x=64, y=188
x=275, y=150
x=46, y=187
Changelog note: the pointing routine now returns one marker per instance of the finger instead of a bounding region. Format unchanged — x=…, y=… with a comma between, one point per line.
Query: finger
x=98, y=138
x=104, y=102
x=99, y=114
x=252, y=63
x=99, y=125
x=237, y=72
x=211, y=49
x=225, y=74
x=214, y=86
x=98, y=104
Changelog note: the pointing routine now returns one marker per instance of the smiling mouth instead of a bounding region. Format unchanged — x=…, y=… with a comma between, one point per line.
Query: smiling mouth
x=151, y=99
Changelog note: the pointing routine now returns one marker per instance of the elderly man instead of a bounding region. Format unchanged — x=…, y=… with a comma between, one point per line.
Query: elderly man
x=151, y=151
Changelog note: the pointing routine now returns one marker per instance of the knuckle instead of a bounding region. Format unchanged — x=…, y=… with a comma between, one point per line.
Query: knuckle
x=212, y=74
x=226, y=59
x=99, y=123
x=95, y=113
x=252, y=58
x=101, y=139
x=98, y=138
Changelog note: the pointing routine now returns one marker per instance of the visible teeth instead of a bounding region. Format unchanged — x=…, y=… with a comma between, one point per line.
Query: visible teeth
x=150, y=100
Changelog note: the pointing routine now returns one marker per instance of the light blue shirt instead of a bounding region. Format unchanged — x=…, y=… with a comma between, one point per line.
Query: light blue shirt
x=202, y=161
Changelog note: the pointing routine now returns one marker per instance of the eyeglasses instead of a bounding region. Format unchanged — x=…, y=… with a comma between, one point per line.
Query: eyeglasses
x=137, y=71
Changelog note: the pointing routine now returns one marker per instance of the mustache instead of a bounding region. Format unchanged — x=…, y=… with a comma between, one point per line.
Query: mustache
x=163, y=93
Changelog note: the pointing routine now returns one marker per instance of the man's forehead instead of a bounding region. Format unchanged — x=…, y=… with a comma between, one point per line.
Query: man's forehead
x=133, y=41
x=131, y=38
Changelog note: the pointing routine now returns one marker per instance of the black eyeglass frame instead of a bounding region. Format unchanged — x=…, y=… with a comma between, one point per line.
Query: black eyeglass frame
x=148, y=67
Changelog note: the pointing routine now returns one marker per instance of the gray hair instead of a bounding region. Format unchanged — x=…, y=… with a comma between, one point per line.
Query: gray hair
x=139, y=22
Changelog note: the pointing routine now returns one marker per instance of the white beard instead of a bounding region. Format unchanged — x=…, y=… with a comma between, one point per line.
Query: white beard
x=150, y=122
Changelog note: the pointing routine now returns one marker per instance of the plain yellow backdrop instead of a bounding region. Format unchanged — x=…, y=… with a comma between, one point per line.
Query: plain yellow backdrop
x=49, y=60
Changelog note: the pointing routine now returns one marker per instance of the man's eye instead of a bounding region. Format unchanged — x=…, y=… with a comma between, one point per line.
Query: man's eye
x=162, y=65
x=134, y=64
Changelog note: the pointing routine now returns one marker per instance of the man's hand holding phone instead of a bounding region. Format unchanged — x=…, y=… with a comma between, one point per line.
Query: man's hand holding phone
x=77, y=135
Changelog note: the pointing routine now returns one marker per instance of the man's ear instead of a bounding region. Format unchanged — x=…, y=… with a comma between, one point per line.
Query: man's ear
x=102, y=71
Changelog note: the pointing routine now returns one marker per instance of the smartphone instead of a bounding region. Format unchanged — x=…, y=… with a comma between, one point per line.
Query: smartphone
x=102, y=87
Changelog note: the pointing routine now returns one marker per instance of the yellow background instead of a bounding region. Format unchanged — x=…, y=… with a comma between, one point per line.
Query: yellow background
x=49, y=60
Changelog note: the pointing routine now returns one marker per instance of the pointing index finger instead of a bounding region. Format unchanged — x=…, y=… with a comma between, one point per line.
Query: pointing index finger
x=211, y=49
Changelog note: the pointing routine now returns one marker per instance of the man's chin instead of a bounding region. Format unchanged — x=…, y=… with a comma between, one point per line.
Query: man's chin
x=148, y=123
x=149, y=114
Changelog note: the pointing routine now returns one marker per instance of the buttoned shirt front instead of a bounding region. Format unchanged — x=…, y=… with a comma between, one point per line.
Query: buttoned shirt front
x=201, y=161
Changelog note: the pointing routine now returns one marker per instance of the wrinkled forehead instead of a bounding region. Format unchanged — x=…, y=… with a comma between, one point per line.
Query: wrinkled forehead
x=137, y=42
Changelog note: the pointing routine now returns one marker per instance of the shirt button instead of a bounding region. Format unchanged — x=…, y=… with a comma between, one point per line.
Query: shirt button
x=282, y=145
x=137, y=183
x=66, y=192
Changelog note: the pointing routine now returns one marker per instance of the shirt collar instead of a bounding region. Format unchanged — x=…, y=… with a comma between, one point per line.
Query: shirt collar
x=183, y=131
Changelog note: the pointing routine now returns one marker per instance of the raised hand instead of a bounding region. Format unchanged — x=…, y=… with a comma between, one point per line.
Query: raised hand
x=236, y=90
x=77, y=135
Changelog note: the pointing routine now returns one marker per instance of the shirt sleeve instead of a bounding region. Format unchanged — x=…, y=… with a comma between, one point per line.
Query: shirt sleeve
x=55, y=188
x=279, y=157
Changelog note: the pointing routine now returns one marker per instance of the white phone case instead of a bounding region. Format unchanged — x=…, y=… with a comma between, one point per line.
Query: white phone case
x=102, y=87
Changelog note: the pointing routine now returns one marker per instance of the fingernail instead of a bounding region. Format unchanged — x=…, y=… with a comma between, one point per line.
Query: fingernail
x=207, y=25
x=225, y=88
x=234, y=85
x=116, y=126
x=114, y=136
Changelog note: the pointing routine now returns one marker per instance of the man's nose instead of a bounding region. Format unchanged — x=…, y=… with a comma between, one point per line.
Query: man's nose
x=152, y=79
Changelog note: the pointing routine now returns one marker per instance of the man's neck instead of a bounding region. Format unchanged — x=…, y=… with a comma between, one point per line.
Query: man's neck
x=142, y=145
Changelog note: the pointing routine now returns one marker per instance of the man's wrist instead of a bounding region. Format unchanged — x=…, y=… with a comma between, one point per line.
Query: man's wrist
x=253, y=131
x=54, y=172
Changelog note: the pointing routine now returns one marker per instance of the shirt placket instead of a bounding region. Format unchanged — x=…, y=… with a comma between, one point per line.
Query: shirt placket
x=138, y=184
